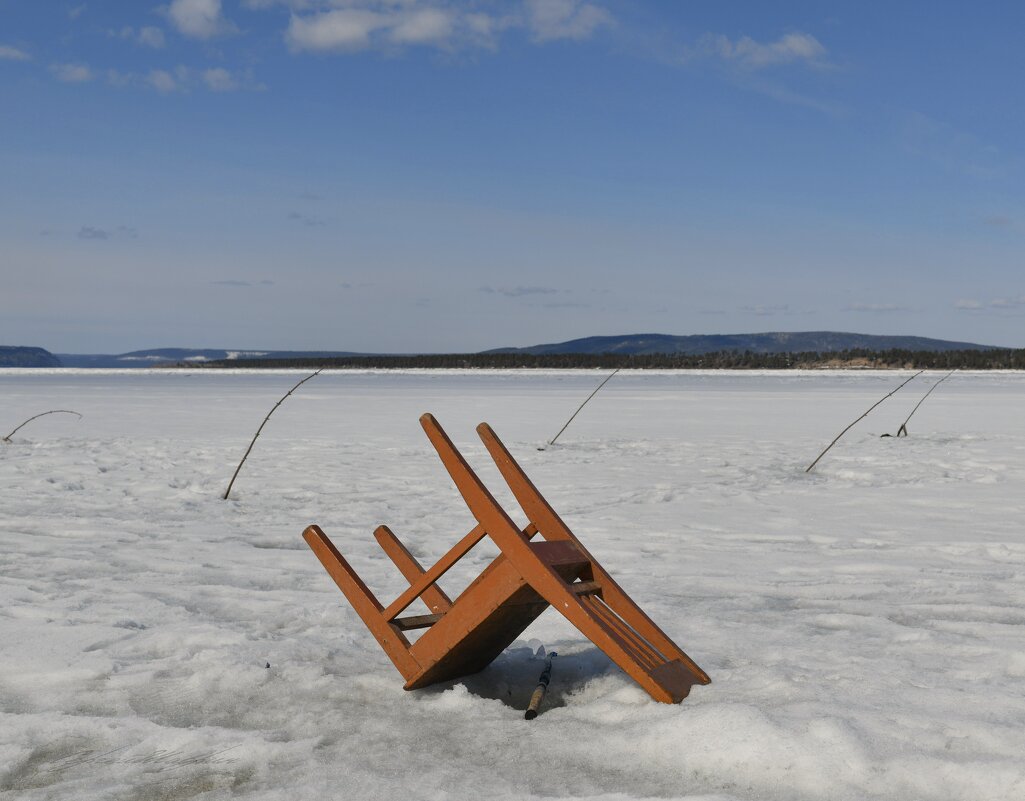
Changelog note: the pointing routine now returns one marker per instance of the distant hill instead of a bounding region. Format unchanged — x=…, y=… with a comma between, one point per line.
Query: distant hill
x=19, y=356
x=164, y=356
x=625, y=345
x=773, y=342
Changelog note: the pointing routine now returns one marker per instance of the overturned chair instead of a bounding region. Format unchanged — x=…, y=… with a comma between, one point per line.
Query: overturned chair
x=463, y=636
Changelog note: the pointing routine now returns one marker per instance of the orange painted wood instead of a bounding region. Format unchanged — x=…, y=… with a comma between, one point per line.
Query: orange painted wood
x=395, y=645
x=440, y=568
x=435, y=598
x=488, y=616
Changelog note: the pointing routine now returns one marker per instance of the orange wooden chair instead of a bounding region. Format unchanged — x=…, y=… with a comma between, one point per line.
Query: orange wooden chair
x=463, y=636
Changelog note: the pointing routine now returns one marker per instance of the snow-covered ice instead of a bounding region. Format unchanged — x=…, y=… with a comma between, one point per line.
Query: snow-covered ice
x=863, y=625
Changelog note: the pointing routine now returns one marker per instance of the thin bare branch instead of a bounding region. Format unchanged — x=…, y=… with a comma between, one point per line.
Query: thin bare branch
x=582, y=405
x=257, y=434
x=870, y=408
x=35, y=417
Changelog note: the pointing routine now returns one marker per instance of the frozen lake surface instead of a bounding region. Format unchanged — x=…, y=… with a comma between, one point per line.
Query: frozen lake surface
x=863, y=625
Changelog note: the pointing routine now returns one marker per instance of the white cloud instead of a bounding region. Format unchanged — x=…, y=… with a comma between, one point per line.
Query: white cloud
x=76, y=12
x=219, y=79
x=354, y=25
x=481, y=29
x=162, y=81
x=564, y=19
x=151, y=37
x=72, y=73
x=295, y=5
x=199, y=19
x=424, y=26
x=13, y=53
x=1008, y=303
x=341, y=29
x=746, y=52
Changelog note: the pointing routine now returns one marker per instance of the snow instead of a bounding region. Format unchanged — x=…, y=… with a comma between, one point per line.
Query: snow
x=863, y=625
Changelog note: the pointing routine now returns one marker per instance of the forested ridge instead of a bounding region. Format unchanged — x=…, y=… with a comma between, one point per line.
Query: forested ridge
x=1002, y=359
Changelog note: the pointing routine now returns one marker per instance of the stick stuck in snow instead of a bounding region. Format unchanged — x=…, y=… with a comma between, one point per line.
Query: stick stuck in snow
x=542, y=687
x=41, y=414
x=903, y=430
x=582, y=405
x=870, y=408
x=257, y=434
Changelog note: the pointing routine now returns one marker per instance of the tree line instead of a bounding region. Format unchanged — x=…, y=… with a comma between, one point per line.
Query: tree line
x=999, y=359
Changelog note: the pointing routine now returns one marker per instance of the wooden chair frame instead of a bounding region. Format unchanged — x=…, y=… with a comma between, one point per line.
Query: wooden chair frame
x=463, y=636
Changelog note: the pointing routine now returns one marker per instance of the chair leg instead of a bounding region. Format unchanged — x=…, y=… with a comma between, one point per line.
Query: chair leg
x=435, y=598
x=547, y=519
x=394, y=643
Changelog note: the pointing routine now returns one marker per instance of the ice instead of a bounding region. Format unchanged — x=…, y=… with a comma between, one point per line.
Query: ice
x=863, y=625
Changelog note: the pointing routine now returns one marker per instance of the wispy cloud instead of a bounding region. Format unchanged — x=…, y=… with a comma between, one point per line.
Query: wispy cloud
x=773, y=89
x=783, y=309
x=566, y=305
x=306, y=219
x=747, y=53
x=94, y=233
x=72, y=73
x=199, y=19
x=756, y=66
x=148, y=36
x=1008, y=303
x=9, y=53
x=184, y=79
x=548, y=20
x=519, y=291
x=233, y=282
x=954, y=150
x=1012, y=304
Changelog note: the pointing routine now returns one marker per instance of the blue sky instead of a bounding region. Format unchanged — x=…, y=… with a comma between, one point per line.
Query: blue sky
x=455, y=175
